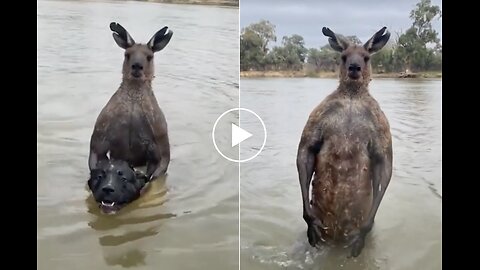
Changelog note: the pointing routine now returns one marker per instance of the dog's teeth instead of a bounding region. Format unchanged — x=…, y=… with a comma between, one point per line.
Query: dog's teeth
x=108, y=204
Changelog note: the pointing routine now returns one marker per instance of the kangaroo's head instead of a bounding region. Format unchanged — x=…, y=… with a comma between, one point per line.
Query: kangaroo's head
x=138, y=63
x=355, y=67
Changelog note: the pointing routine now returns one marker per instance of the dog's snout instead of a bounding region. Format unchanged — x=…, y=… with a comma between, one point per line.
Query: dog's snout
x=108, y=190
x=354, y=67
x=137, y=66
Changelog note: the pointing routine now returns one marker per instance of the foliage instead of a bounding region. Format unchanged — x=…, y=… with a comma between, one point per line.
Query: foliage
x=417, y=49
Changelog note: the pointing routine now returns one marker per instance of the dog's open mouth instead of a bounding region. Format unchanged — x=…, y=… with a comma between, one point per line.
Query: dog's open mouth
x=109, y=207
x=107, y=203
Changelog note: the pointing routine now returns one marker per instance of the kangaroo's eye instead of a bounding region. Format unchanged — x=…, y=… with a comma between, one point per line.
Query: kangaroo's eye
x=149, y=58
x=366, y=58
x=344, y=58
x=127, y=56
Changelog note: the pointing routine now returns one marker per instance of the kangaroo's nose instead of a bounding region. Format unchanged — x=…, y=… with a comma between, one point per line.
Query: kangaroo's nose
x=137, y=66
x=354, y=67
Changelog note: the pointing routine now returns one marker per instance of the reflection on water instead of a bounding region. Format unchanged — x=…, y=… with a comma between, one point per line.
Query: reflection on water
x=186, y=220
x=407, y=231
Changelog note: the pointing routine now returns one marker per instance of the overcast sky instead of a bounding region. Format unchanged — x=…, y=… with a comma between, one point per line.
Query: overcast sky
x=348, y=17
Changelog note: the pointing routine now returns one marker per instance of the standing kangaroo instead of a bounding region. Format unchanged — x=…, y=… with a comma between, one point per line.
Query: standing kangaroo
x=347, y=146
x=132, y=127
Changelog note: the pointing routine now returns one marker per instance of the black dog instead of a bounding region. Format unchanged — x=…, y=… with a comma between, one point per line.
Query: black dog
x=115, y=184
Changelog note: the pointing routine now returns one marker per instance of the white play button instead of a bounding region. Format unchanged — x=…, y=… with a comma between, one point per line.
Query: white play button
x=227, y=134
x=239, y=135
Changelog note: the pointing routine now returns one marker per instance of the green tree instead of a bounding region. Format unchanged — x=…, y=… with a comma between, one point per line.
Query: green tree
x=254, y=41
x=354, y=40
x=251, y=54
x=324, y=59
x=384, y=61
x=277, y=58
x=266, y=31
x=295, y=50
x=314, y=58
x=412, y=46
x=422, y=17
x=290, y=56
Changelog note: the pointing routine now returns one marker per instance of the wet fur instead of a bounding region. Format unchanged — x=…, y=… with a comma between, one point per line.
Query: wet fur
x=139, y=133
x=125, y=183
x=346, y=146
x=131, y=126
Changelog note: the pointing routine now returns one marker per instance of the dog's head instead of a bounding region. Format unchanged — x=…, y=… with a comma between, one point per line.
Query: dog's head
x=114, y=184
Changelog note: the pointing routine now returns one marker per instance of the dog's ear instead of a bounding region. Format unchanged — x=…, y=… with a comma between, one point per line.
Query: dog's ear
x=94, y=173
x=90, y=183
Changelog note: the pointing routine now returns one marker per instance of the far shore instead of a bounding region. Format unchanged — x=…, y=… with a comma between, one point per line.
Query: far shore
x=227, y=3
x=303, y=74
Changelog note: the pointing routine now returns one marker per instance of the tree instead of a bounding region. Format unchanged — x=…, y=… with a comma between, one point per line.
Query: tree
x=251, y=54
x=277, y=58
x=412, y=50
x=422, y=18
x=418, y=48
x=296, y=51
x=324, y=59
x=254, y=41
x=314, y=58
x=384, y=61
x=354, y=40
x=290, y=56
x=266, y=31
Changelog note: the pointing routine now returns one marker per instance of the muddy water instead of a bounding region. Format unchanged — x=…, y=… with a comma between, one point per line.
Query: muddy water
x=188, y=220
x=408, y=226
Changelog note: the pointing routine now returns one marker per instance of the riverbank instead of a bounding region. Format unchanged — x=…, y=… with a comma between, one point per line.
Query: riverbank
x=302, y=74
x=228, y=3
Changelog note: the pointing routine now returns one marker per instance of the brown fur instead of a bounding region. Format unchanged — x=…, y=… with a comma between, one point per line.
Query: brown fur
x=346, y=145
x=132, y=127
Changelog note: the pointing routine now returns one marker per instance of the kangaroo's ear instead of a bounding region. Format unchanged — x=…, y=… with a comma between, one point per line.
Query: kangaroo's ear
x=121, y=36
x=336, y=41
x=160, y=39
x=377, y=41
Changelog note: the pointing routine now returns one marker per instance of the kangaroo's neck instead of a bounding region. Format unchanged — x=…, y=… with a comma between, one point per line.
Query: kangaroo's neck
x=136, y=89
x=353, y=89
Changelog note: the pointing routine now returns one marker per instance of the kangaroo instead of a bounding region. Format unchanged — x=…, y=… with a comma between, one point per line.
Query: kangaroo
x=132, y=127
x=346, y=146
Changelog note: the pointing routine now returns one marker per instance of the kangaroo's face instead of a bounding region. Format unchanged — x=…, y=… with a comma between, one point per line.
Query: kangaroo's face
x=138, y=62
x=355, y=65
